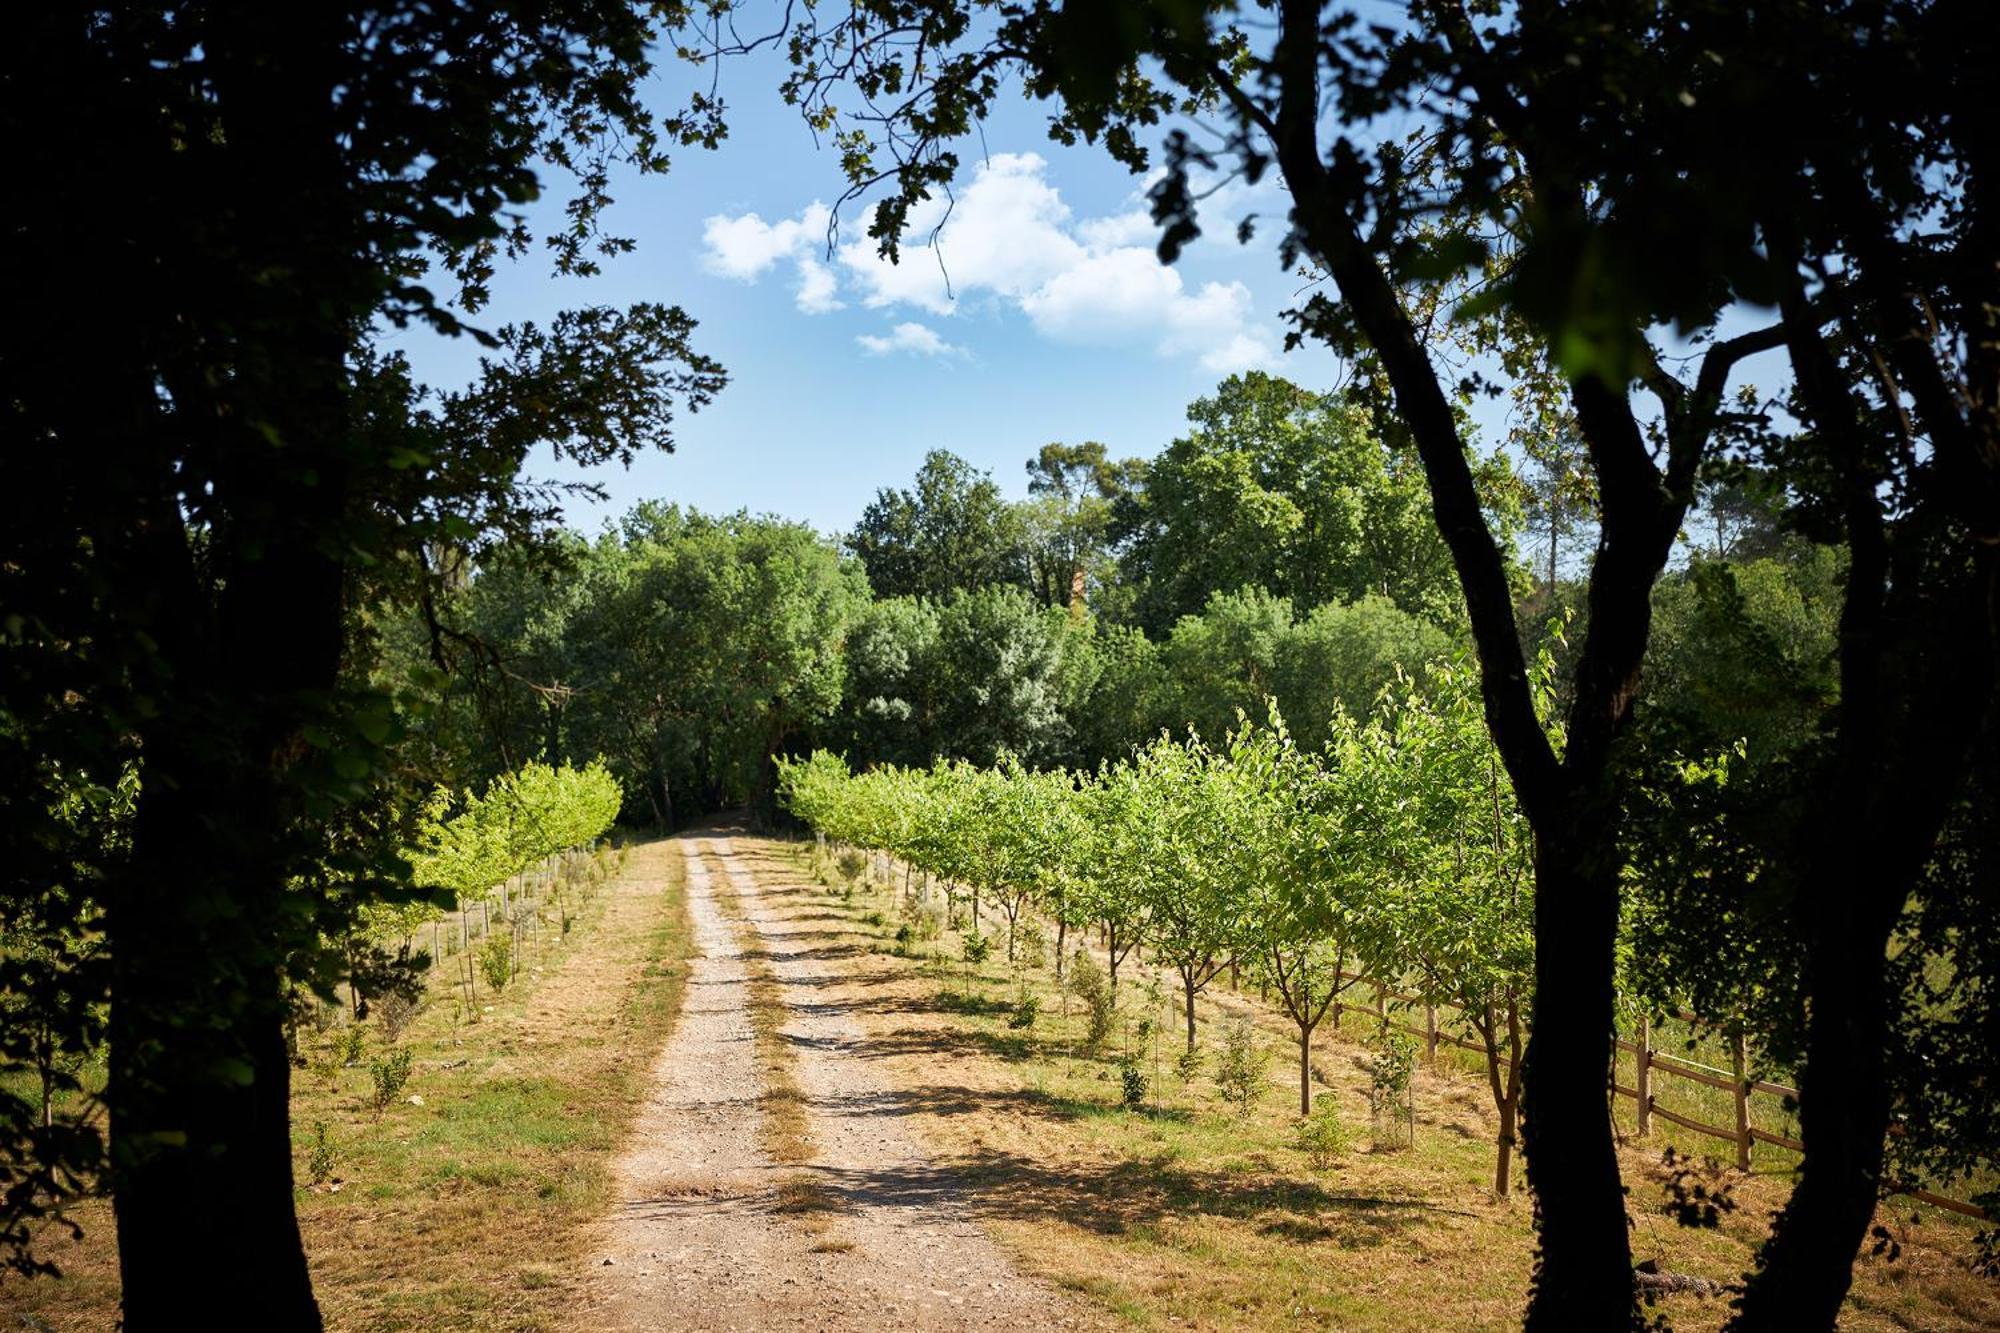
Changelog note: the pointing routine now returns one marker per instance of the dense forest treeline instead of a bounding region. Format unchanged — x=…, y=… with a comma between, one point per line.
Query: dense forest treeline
x=1280, y=550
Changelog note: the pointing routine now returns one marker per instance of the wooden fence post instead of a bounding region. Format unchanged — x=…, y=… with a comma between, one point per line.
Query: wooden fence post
x=1739, y=1058
x=1643, y=1077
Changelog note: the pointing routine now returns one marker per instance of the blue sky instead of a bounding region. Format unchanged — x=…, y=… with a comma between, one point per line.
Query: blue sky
x=1060, y=326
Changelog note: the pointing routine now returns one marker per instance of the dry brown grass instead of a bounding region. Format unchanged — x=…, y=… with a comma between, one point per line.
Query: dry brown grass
x=466, y=1210
x=1187, y=1215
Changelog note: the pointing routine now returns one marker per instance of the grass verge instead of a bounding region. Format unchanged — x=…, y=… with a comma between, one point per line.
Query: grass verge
x=464, y=1201
x=1184, y=1212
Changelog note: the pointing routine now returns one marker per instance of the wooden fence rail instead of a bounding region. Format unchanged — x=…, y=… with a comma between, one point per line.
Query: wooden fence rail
x=1648, y=1062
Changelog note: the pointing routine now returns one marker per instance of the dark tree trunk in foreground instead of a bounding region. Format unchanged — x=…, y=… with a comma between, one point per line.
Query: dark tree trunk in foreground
x=1584, y=1274
x=200, y=1075
x=1808, y=1263
x=1566, y=1132
x=1920, y=680
x=248, y=617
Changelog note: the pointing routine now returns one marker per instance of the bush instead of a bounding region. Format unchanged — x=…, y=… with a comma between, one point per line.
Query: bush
x=1132, y=1084
x=975, y=948
x=1031, y=944
x=904, y=938
x=1188, y=1064
x=390, y=1073
x=1240, y=1072
x=850, y=865
x=496, y=960
x=350, y=1045
x=319, y=1160
x=1321, y=1136
x=393, y=1013
x=924, y=923
x=1391, y=1072
x=1026, y=1010
x=1088, y=983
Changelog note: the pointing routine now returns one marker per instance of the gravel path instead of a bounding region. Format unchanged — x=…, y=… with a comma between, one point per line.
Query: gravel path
x=696, y=1243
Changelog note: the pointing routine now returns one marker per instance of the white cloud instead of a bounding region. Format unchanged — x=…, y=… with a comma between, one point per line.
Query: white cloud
x=916, y=339
x=746, y=247
x=817, y=286
x=1009, y=239
x=743, y=247
x=1134, y=227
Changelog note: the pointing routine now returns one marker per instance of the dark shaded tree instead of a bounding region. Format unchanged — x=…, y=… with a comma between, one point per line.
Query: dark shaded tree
x=223, y=473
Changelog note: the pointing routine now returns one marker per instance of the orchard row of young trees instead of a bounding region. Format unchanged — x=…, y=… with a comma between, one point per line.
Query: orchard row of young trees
x=468, y=843
x=1395, y=853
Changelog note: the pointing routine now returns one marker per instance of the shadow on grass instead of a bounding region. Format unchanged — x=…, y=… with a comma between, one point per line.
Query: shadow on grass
x=1118, y=1197
x=821, y=953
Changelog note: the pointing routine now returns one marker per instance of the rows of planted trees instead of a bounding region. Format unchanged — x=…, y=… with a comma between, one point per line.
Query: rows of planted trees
x=517, y=839
x=1396, y=854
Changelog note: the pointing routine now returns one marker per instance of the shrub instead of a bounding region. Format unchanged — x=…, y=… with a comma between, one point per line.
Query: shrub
x=350, y=1045
x=904, y=938
x=393, y=1013
x=1189, y=1063
x=1088, y=982
x=390, y=1073
x=1026, y=1010
x=1321, y=1136
x=1132, y=1084
x=1031, y=944
x=850, y=865
x=975, y=948
x=924, y=923
x=496, y=960
x=1240, y=1071
x=319, y=1159
x=1391, y=1072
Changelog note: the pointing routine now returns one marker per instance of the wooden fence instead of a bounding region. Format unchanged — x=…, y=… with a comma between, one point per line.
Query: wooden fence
x=1649, y=1062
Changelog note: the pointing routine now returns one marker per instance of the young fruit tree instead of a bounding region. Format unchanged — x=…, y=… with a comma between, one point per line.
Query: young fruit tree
x=1303, y=898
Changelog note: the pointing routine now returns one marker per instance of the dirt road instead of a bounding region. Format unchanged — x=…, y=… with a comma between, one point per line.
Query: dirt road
x=704, y=1239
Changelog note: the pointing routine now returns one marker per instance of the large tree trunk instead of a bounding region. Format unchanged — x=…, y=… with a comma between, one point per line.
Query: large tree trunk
x=199, y=1077
x=1807, y=1265
x=202, y=924
x=1584, y=1279
x=201, y=1150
